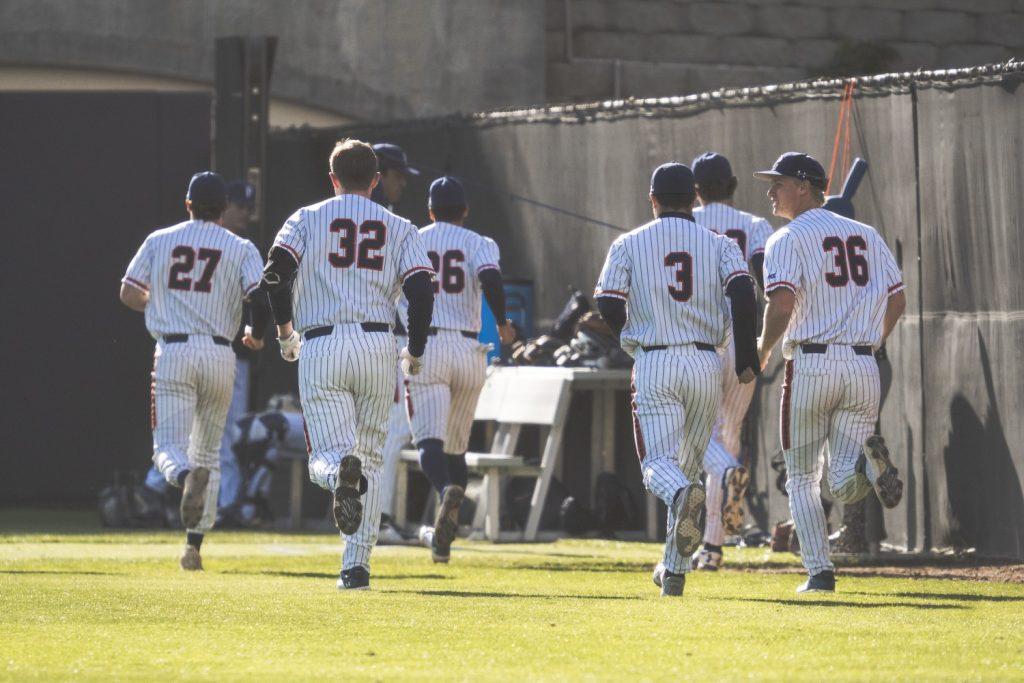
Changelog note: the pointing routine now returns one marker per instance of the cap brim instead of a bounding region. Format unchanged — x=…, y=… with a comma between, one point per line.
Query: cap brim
x=767, y=175
x=411, y=171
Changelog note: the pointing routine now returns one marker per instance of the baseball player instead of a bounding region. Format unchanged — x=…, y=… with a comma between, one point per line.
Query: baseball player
x=190, y=280
x=681, y=282
x=241, y=196
x=834, y=290
x=347, y=260
x=442, y=399
x=727, y=479
x=394, y=176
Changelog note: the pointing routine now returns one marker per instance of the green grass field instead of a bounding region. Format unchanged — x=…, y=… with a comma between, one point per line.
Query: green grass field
x=77, y=603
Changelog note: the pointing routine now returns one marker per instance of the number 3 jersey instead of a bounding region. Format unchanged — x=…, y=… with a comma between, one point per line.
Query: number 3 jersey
x=672, y=273
x=353, y=257
x=842, y=273
x=197, y=274
x=458, y=256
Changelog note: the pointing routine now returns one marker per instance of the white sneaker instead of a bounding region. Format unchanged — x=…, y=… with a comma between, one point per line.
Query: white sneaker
x=707, y=560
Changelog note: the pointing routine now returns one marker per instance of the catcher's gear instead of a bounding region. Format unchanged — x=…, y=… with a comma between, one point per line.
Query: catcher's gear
x=411, y=365
x=290, y=346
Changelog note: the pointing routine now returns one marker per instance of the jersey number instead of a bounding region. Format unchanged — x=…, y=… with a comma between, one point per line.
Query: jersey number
x=850, y=263
x=184, y=261
x=371, y=238
x=450, y=271
x=683, y=264
x=741, y=240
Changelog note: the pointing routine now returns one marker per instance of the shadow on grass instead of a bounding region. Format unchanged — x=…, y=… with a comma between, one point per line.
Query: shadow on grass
x=965, y=597
x=329, y=575
x=818, y=602
x=596, y=567
x=533, y=596
x=55, y=572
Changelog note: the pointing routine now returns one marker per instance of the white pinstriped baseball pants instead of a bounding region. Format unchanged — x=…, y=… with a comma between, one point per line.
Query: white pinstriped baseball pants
x=192, y=386
x=724, y=448
x=441, y=400
x=398, y=437
x=676, y=393
x=347, y=384
x=829, y=404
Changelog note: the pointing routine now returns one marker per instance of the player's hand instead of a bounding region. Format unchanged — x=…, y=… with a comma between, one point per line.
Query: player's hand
x=290, y=346
x=506, y=333
x=250, y=341
x=747, y=376
x=411, y=365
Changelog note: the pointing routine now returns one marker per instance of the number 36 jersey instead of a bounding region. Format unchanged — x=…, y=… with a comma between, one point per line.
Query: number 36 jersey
x=353, y=257
x=672, y=273
x=842, y=273
x=197, y=274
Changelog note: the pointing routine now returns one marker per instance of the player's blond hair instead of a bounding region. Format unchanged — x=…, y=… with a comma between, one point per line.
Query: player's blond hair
x=353, y=163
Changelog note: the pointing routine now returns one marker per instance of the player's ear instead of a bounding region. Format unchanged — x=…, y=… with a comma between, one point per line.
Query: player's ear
x=334, y=180
x=188, y=205
x=376, y=179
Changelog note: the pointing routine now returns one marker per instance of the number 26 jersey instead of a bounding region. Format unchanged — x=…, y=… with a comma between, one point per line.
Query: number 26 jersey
x=353, y=257
x=842, y=273
x=672, y=273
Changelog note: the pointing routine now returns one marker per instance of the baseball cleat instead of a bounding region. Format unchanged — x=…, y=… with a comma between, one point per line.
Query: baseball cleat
x=446, y=521
x=428, y=539
x=887, y=480
x=670, y=583
x=348, y=509
x=707, y=560
x=191, y=561
x=354, y=579
x=736, y=481
x=689, y=513
x=822, y=582
x=193, y=496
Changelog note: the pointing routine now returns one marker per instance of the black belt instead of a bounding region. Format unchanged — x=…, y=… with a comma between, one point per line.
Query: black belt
x=431, y=331
x=179, y=338
x=822, y=348
x=701, y=346
x=328, y=329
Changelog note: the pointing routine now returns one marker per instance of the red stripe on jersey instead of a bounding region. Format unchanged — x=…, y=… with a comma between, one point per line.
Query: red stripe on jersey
x=775, y=285
x=298, y=259
x=487, y=266
x=250, y=288
x=408, y=399
x=613, y=293
x=135, y=283
x=735, y=274
x=416, y=270
x=896, y=287
x=787, y=397
x=638, y=435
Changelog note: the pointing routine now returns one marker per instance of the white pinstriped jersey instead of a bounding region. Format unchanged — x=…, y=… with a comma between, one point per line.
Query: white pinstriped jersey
x=750, y=231
x=353, y=256
x=842, y=273
x=673, y=274
x=459, y=256
x=197, y=274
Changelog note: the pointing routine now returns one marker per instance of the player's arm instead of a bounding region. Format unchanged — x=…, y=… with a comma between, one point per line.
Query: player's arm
x=757, y=268
x=894, y=310
x=613, y=284
x=133, y=297
x=493, y=287
x=418, y=289
x=777, y=313
x=743, y=303
x=278, y=278
x=257, y=316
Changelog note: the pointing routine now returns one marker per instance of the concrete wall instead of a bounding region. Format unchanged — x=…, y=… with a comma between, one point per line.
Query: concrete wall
x=365, y=59
x=650, y=48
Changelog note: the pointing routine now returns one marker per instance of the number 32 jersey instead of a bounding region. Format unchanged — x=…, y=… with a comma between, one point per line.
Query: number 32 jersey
x=353, y=257
x=197, y=274
x=842, y=273
x=673, y=274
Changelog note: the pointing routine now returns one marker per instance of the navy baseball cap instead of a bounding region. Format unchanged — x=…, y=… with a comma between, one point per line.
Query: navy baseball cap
x=241, y=193
x=672, y=178
x=711, y=167
x=207, y=189
x=393, y=156
x=447, y=191
x=796, y=165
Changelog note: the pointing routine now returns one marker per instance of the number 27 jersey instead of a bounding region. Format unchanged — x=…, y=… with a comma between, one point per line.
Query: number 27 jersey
x=842, y=274
x=673, y=274
x=353, y=257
